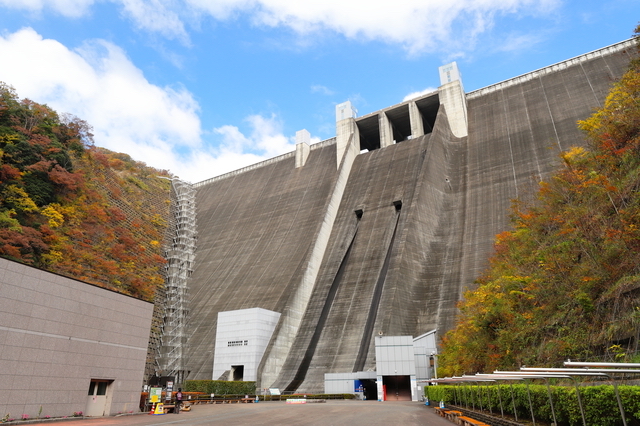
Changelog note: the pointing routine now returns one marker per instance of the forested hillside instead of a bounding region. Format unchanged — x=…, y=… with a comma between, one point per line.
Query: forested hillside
x=565, y=281
x=72, y=208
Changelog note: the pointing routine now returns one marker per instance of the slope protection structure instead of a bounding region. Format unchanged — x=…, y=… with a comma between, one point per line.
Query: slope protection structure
x=348, y=244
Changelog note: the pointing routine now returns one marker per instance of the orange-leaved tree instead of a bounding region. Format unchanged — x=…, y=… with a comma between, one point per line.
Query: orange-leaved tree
x=75, y=209
x=564, y=282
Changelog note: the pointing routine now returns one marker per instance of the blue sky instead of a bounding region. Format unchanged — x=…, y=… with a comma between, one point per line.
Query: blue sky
x=203, y=87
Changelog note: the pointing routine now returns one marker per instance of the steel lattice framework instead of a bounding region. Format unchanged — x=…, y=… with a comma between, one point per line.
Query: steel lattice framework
x=180, y=253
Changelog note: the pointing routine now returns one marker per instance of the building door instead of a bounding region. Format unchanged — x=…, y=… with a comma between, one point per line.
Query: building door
x=237, y=373
x=370, y=389
x=98, y=398
x=398, y=388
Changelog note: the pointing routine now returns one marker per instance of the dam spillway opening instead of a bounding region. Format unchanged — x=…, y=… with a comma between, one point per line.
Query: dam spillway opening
x=399, y=119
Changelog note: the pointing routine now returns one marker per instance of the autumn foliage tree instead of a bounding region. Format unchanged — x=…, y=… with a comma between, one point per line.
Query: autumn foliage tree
x=564, y=282
x=75, y=209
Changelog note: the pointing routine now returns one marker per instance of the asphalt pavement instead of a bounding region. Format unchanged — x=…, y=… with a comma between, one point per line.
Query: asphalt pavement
x=330, y=413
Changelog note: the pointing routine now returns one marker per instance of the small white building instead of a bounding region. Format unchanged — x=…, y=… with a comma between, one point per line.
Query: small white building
x=396, y=368
x=241, y=339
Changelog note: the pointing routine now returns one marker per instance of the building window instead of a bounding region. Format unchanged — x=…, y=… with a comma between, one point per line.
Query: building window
x=237, y=343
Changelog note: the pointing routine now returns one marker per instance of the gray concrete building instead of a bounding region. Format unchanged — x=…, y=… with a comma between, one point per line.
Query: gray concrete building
x=377, y=232
x=68, y=347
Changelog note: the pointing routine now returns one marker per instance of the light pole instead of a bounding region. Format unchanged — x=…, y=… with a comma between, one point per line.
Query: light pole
x=434, y=355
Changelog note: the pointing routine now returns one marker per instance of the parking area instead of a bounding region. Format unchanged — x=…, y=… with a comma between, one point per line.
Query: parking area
x=338, y=413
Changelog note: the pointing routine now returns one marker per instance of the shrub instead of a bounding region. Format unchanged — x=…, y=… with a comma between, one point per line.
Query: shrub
x=220, y=387
x=599, y=401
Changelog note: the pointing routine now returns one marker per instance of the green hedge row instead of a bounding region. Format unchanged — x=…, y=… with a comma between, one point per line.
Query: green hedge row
x=599, y=402
x=220, y=387
x=308, y=396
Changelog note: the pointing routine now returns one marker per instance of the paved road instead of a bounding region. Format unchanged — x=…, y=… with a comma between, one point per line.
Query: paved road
x=331, y=413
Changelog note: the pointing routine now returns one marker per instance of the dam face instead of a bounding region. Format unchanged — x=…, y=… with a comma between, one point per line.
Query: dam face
x=379, y=230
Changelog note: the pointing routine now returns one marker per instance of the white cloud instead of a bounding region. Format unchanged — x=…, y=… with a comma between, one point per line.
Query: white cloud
x=100, y=84
x=157, y=125
x=416, y=25
x=418, y=94
x=69, y=8
x=266, y=139
x=318, y=88
x=152, y=15
x=237, y=150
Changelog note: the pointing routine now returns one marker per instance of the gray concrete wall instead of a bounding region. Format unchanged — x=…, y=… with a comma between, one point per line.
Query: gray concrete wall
x=57, y=334
x=396, y=272
x=517, y=130
x=256, y=235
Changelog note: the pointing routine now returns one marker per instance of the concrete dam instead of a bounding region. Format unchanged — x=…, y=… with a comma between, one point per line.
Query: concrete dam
x=379, y=230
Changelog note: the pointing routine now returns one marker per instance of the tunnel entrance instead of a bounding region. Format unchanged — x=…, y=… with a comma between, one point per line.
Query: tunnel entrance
x=398, y=388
